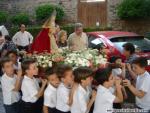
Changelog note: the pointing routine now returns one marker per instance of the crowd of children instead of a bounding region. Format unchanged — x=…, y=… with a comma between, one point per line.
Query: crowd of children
x=68, y=90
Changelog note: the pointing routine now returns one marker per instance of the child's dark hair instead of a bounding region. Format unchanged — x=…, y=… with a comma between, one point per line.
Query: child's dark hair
x=12, y=52
x=26, y=63
x=7, y=37
x=114, y=58
x=49, y=71
x=4, y=60
x=81, y=73
x=129, y=47
x=141, y=61
x=62, y=69
x=102, y=75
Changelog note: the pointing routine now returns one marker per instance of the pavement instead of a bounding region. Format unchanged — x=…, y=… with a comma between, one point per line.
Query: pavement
x=1, y=101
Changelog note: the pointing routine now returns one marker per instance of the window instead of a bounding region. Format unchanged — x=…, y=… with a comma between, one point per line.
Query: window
x=92, y=39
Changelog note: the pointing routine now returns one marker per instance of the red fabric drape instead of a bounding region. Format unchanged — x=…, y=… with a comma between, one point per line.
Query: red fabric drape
x=41, y=42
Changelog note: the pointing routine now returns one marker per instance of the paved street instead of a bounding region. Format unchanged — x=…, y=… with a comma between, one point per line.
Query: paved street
x=1, y=103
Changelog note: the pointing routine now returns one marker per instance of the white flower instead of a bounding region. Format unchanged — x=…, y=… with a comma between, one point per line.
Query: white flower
x=50, y=64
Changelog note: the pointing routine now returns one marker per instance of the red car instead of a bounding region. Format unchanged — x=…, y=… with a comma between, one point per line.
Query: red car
x=114, y=40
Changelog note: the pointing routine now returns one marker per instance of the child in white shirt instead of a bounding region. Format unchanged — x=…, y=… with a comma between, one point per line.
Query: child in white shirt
x=51, y=91
x=81, y=97
x=11, y=84
x=105, y=99
x=65, y=74
x=119, y=68
x=31, y=91
x=142, y=88
x=13, y=55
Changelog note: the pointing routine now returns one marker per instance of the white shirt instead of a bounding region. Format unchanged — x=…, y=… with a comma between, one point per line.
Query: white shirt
x=29, y=88
x=143, y=84
x=50, y=96
x=112, y=89
x=22, y=39
x=116, y=72
x=80, y=100
x=104, y=100
x=8, y=84
x=63, y=98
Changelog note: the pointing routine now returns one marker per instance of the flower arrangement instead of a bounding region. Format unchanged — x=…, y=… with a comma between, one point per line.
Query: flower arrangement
x=43, y=60
x=89, y=58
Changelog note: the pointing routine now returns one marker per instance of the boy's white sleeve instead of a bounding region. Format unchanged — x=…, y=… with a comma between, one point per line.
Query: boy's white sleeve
x=110, y=97
x=46, y=99
x=64, y=96
x=6, y=85
x=145, y=86
x=82, y=102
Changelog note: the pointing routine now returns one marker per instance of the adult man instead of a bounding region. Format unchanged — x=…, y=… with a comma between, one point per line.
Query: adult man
x=22, y=39
x=78, y=40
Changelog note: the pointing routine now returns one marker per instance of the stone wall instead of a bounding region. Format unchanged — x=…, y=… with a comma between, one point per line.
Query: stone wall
x=28, y=6
x=70, y=8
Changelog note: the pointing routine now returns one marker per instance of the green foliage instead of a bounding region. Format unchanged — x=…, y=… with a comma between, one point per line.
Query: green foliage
x=134, y=9
x=44, y=11
x=33, y=30
x=20, y=18
x=3, y=17
x=69, y=28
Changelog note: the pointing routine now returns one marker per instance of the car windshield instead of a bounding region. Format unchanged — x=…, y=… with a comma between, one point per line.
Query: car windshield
x=141, y=44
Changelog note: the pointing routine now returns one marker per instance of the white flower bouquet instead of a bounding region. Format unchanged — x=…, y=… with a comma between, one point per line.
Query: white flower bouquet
x=89, y=58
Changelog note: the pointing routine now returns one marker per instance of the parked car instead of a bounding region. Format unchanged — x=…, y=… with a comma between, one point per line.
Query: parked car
x=114, y=40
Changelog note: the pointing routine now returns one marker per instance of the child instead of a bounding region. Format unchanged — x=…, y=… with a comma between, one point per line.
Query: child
x=50, y=92
x=66, y=76
x=142, y=89
x=119, y=68
x=13, y=55
x=8, y=45
x=11, y=84
x=81, y=98
x=105, y=99
x=30, y=88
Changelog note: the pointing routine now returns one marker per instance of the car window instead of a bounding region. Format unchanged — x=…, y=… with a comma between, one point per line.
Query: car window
x=92, y=42
x=141, y=44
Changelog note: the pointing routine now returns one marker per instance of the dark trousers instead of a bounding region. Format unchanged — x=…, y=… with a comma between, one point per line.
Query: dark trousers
x=131, y=97
x=25, y=48
x=58, y=111
x=27, y=107
x=14, y=108
x=117, y=105
x=52, y=110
